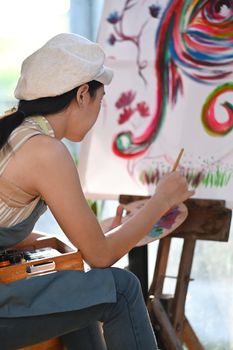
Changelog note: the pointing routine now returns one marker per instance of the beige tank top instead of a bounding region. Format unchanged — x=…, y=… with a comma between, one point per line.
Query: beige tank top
x=16, y=204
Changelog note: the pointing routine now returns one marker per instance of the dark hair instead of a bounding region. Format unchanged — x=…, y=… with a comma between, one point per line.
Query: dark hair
x=40, y=106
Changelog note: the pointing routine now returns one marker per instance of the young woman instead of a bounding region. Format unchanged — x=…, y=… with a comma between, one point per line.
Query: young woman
x=60, y=92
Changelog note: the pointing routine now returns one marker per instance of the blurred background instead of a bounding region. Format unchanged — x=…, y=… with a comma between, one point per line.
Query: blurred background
x=24, y=26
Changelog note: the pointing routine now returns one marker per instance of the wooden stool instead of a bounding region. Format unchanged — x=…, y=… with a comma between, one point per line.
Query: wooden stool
x=51, y=344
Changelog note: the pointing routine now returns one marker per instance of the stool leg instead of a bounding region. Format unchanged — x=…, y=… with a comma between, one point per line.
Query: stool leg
x=51, y=344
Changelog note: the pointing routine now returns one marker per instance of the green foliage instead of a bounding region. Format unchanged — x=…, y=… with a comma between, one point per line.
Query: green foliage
x=7, y=83
x=96, y=206
x=217, y=178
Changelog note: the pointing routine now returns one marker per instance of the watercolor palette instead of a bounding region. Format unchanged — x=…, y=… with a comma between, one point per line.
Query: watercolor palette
x=163, y=227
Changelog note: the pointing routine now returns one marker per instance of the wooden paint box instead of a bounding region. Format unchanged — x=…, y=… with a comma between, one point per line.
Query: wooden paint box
x=64, y=257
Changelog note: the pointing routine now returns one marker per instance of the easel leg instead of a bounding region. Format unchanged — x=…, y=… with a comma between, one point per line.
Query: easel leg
x=190, y=338
x=182, y=285
x=156, y=287
x=166, y=332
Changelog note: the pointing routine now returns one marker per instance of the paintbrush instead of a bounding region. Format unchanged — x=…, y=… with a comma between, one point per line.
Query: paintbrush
x=178, y=160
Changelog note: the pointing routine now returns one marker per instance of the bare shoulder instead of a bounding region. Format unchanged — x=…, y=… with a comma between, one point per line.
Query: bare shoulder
x=44, y=159
x=45, y=147
x=46, y=152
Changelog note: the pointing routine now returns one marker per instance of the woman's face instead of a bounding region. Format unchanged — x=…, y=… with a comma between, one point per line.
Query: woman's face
x=86, y=115
x=94, y=105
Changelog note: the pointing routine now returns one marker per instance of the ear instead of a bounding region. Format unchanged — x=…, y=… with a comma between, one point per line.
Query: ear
x=82, y=94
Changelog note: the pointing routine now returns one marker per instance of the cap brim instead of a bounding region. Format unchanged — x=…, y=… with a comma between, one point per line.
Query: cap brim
x=105, y=77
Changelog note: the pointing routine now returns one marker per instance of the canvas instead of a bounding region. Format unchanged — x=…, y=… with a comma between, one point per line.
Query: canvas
x=172, y=89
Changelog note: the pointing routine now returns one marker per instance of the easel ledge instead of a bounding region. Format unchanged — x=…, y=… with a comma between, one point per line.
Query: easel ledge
x=207, y=220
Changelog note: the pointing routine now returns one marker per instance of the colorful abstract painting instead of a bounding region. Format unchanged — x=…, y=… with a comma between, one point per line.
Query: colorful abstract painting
x=172, y=89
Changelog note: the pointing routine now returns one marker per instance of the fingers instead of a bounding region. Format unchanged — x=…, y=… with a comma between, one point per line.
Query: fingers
x=174, y=187
x=183, y=186
x=118, y=218
x=191, y=193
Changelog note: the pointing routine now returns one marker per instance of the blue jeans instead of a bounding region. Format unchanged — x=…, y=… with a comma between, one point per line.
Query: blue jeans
x=125, y=323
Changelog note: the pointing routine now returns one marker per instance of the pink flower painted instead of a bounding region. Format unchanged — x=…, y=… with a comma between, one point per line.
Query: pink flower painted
x=125, y=99
x=143, y=109
x=125, y=115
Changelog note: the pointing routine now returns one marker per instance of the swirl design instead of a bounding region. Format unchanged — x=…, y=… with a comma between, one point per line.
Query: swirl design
x=195, y=37
x=211, y=124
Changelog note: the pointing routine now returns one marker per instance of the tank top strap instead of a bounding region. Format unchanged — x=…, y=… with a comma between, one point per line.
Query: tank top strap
x=30, y=127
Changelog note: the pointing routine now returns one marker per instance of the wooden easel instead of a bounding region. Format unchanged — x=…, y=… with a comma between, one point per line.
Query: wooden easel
x=207, y=220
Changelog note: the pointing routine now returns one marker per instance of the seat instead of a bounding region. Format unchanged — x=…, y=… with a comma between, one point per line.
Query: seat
x=51, y=344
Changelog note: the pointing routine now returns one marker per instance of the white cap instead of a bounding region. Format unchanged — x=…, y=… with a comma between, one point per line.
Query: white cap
x=63, y=63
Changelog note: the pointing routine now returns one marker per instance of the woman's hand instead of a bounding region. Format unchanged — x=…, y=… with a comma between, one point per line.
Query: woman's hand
x=173, y=188
x=118, y=217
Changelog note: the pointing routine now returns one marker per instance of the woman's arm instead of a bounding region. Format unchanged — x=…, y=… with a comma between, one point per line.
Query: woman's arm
x=53, y=174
